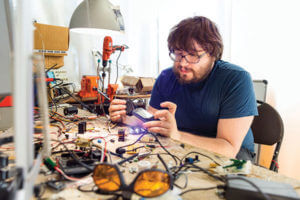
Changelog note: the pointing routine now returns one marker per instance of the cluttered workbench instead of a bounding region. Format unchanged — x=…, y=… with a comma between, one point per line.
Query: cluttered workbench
x=192, y=173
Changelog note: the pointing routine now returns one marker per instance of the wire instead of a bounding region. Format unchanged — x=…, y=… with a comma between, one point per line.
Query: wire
x=164, y=148
x=197, y=189
x=51, y=68
x=117, y=63
x=81, y=103
x=94, y=188
x=75, y=158
x=66, y=176
x=266, y=196
x=195, y=152
x=163, y=162
x=131, y=143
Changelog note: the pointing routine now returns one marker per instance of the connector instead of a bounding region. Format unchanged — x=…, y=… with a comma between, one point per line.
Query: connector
x=50, y=164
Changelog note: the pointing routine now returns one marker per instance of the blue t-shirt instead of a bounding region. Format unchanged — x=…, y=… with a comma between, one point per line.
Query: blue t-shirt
x=227, y=92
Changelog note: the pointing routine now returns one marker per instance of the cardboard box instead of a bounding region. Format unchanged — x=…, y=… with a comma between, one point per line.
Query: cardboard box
x=145, y=84
x=52, y=60
x=53, y=40
x=129, y=80
x=141, y=84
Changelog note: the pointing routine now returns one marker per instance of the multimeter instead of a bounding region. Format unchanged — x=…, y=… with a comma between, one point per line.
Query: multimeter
x=139, y=112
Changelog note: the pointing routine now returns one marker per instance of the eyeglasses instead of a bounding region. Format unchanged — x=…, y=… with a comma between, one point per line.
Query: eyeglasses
x=148, y=183
x=190, y=58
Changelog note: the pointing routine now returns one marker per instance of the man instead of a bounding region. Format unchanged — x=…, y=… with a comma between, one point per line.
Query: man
x=210, y=103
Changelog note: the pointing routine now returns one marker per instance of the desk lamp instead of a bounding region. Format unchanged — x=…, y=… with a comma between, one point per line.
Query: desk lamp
x=98, y=14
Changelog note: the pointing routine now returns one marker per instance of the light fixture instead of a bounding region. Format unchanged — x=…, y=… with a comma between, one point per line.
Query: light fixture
x=99, y=14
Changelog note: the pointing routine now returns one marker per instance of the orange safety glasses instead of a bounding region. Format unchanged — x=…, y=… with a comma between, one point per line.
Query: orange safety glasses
x=148, y=183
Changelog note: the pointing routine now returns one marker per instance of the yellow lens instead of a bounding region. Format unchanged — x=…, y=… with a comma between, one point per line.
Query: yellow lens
x=152, y=183
x=106, y=177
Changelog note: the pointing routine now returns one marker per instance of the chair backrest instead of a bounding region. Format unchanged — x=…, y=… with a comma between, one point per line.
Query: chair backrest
x=268, y=128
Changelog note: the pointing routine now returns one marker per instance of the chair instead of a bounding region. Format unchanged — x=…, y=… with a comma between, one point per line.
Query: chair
x=267, y=129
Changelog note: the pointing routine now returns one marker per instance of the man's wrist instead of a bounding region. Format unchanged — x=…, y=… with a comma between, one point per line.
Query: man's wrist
x=176, y=135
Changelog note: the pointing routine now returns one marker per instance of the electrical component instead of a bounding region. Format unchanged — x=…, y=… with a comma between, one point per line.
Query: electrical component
x=70, y=110
x=81, y=127
x=56, y=185
x=132, y=149
x=139, y=112
x=240, y=187
x=121, y=135
x=83, y=142
x=72, y=167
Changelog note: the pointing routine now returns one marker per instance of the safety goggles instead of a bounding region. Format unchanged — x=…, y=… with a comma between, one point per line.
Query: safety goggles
x=148, y=183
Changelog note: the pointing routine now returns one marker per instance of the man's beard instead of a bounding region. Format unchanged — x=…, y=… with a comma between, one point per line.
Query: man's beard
x=181, y=80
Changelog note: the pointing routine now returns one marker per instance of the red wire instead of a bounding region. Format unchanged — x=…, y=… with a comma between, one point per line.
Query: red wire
x=276, y=164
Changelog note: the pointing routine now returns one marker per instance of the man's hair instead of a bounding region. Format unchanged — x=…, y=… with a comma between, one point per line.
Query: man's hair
x=199, y=29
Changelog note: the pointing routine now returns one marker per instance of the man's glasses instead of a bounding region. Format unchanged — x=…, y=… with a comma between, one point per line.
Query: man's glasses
x=189, y=58
x=148, y=183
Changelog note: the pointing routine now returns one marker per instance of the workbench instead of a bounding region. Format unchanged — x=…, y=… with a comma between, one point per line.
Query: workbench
x=103, y=128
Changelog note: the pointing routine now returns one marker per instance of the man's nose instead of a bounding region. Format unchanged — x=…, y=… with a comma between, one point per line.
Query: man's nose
x=183, y=61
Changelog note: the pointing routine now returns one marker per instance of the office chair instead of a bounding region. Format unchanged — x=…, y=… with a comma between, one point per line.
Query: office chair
x=267, y=129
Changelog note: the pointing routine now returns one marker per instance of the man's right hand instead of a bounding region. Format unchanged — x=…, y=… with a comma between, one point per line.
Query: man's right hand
x=117, y=109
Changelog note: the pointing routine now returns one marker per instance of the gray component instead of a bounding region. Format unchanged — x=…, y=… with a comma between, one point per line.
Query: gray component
x=6, y=117
x=240, y=189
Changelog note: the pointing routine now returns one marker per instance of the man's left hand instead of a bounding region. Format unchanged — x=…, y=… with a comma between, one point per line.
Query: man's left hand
x=166, y=125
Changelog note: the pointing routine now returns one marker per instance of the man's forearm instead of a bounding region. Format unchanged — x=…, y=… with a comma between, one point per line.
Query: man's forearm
x=217, y=145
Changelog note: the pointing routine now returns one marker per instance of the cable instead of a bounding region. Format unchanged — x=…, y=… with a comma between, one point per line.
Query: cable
x=197, y=189
x=81, y=103
x=76, y=159
x=163, y=162
x=266, y=196
x=51, y=68
x=195, y=152
x=94, y=188
x=117, y=61
x=164, y=148
x=119, y=149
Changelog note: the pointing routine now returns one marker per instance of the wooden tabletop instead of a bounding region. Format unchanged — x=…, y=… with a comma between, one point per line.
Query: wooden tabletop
x=102, y=127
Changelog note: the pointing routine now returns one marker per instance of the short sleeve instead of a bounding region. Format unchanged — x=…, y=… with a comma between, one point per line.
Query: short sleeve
x=238, y=98
x=156, y=96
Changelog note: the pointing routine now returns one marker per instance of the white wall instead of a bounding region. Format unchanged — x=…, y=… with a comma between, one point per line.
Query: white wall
x=265, y=40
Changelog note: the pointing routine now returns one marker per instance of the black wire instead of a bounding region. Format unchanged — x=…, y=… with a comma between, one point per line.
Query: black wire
x=76, y=159
x=81, y=103
x=117, y=63
x=94, y=188
x=208, y=173
x=133, y=142
x=51, y=68
x=195, y=152
x=188, y=165
x=197, y=189
x=163, y=162
x=57, y=84
x=165, y=154
x=266, y=196
x=157, y=140
x=52, y=100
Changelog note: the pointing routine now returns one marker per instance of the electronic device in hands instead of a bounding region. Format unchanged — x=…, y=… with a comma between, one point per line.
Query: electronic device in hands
x=139, y=112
